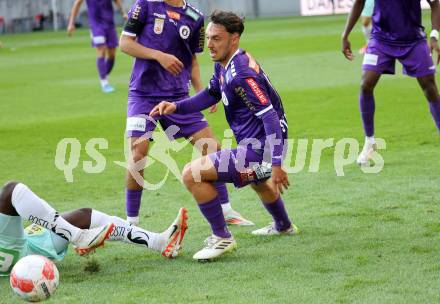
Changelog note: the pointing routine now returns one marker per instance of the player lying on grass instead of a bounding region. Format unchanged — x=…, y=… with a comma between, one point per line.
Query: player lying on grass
x=256, y=116
x=398, y=34
x=50, y=233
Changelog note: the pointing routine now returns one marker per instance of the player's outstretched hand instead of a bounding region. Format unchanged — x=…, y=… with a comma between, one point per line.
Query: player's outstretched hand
x=435, y=48
x=163, y=108
x=70, y=29
x=346, y=49
x=170, y=63
x=280, y=178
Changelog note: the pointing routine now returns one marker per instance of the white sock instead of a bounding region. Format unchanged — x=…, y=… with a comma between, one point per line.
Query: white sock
x=133, y=220
x=367, y=32
x=226, y=208
x=104, y=82
x=370, y=140
x=127, y=233
x=36, y=210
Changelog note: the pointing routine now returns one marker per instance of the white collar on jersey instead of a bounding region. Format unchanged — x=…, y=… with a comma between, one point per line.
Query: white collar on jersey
x=232, y=57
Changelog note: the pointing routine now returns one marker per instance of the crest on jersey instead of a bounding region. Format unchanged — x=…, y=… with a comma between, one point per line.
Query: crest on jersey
x=158, y=25
x=184, y=31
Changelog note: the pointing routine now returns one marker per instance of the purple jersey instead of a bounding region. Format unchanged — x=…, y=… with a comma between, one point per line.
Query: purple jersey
x=100, y=13
x=174, y=30
x=247, y=94
x=398, y=22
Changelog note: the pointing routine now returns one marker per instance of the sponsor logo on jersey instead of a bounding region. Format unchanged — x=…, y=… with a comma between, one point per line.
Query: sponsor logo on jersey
x=158, y=25
x=241, y=92
x=34, y=230
x=202, y=38
x=162, y=16
x=136, y=11
x=190, y=12
x=184, y=31
x=257, y=91
x=173, y=15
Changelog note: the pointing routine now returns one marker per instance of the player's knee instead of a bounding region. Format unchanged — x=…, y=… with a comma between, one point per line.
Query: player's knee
x=137, y=156
x=6, y=191
x=187, y=176
x=367, y=87
x=85, y=211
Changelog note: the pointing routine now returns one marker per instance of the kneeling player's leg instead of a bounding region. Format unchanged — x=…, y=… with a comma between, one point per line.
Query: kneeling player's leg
x=134, y=177
x=205, y=141
x=429, y=87
x=272, y=201
x=199, y=177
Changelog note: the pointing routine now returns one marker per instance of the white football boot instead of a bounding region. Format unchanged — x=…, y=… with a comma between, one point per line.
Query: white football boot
x=174, y=235
x=271, y=230
x=214, y=247
x=90, y=239
x=365, y=156
x=232, y=217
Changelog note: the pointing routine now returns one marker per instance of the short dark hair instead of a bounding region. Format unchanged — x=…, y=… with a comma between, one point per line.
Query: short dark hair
x=232, y=22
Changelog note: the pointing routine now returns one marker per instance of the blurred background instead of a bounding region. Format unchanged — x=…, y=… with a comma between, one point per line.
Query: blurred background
x=36, y=15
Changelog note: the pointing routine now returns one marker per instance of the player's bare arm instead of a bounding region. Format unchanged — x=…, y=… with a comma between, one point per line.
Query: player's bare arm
x=72, y=17
x=169, y=62
x=435, y=22
x=352, y=18
x=121, y=9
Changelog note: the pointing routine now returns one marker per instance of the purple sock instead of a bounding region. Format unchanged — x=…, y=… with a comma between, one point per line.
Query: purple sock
x=435, y=111
x=279, y=214
x=213, y=213
x=222, y=192
x=367, y=107
x=102, y=69
x=109, y=65
x=133, y=202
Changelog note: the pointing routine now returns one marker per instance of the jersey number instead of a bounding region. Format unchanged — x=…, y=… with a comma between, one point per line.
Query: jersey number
x=7, y=259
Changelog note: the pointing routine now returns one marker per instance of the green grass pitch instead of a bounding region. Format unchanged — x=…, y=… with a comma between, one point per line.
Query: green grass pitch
x=366, y=238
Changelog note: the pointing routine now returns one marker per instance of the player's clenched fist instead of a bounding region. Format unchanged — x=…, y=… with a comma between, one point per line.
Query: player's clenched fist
x=170, y=63
x=163, y=108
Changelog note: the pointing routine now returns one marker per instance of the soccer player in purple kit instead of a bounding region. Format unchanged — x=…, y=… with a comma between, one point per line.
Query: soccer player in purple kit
x=103, y=33
x=255, y=113
x=164, y=36
x=397, y=34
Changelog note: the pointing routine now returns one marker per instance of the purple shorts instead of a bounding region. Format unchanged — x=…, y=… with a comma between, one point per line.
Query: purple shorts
x=139, y=124
x=237, y=166
x=416, y=59
x=104, y=36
